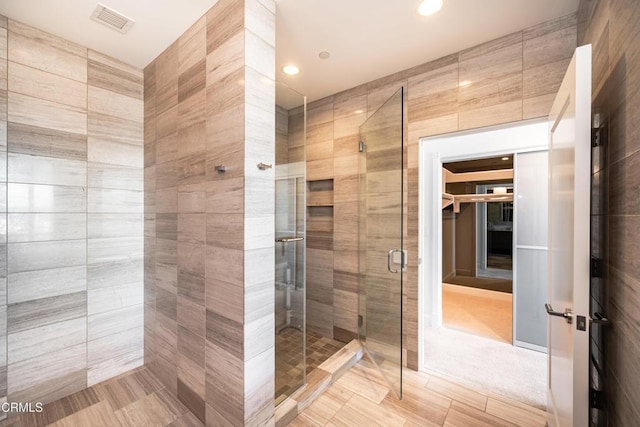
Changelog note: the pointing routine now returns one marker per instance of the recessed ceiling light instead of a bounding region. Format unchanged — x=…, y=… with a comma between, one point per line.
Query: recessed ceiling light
x=291, y=70
x=324, y=55
x=505, y=158
x=465, y=83
x=429, y=7
x=359, y=111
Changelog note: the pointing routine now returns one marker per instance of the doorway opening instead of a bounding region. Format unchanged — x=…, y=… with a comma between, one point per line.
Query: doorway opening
x=504, y=272
x=477, y=247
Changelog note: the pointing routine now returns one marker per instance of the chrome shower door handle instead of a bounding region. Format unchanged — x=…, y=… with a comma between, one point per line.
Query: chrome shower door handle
x=390, y=260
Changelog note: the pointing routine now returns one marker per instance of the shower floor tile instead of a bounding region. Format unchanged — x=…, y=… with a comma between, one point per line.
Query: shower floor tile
x=289, y=364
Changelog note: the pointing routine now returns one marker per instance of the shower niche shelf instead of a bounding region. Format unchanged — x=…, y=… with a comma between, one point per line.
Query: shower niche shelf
x=320, y=193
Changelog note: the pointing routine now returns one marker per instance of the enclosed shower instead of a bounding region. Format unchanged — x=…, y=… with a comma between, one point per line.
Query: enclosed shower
x=290, y=221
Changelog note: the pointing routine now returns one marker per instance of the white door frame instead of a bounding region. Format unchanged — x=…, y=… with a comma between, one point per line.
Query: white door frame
x=520, y=137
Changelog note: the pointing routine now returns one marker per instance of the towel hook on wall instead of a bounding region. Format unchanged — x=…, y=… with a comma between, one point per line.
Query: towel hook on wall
x=264, y=166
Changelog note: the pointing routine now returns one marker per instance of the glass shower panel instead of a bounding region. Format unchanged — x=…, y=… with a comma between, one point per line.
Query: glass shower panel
x=382, y=258
x=290, y=226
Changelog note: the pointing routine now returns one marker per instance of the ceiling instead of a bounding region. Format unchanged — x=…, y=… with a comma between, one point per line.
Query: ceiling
x=479, y=165
x=158, y=23
x=367, y=39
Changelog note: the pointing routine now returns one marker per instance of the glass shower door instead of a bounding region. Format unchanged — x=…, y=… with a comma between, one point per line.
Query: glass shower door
x=382, y=258
x=290, y=225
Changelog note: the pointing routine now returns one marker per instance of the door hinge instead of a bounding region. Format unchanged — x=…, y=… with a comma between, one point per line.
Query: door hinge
x=360, y=321
x=598, y=137
x=361, y=146
x=596, y=267
x=597, y=399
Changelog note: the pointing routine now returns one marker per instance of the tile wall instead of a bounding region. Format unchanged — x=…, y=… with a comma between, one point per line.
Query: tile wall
x=71, y=255
x=613, y=29
x=209, y=235
x=505, y=80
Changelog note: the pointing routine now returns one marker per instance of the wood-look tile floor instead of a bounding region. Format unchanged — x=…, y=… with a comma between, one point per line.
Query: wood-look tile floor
x=361, y=398
x=478, y=311
x=134, y=399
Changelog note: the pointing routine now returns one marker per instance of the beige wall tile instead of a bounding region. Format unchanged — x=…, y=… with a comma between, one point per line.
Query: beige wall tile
x=192, y=47
x=46, y=52
x=27, y=110
x=114, y=104
x=51, y=87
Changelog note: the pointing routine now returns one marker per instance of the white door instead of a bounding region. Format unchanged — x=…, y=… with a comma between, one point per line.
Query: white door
x=569, y=195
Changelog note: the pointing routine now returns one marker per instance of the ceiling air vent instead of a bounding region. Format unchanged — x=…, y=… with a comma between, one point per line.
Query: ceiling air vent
x=112, y=19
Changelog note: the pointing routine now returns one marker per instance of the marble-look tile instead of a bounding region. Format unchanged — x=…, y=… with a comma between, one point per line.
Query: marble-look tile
x=191, y=400
x=260, y=55
x=226, y=93
x=159, y=408
x=113, y=249
x=114, y=322
x=113, y=75
x=114, y=201
x=114, y=225
x=551, y=41
x=192, y=45
x=39, y=84
x=225, y=263
x=224, y=20
x=261, y=21
x=320, y=318
x=166, y=200
x=225, y=333
x=109, y=274
x=46, y=52
x=45, y=311
x=114, y=354
x=257, y=302
x=192, y=80
x=166, y=304
x=45, y=198
x=497, y=114
x=115, y=177
x=226, y=58
x=101, y=300
x=40, y=141
x=225, y=386
x=544, y=79
x=259, y=389
x=320, y=276
x=167, y=175
x=191, y=263
x=32, y=111
x=44, y=255
x=115, y=153
x=167, y=226
x=114, y=104
x=192, y=198
x=30, y=343
x=44, y=227
x=106, y=129
x=191, y=315
x=257, y=339
x=319, y=112
x=225, y=299
x=48, y=377
x=46, y=170
x=32, y=285
x=225, y=143
x=225, y=230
